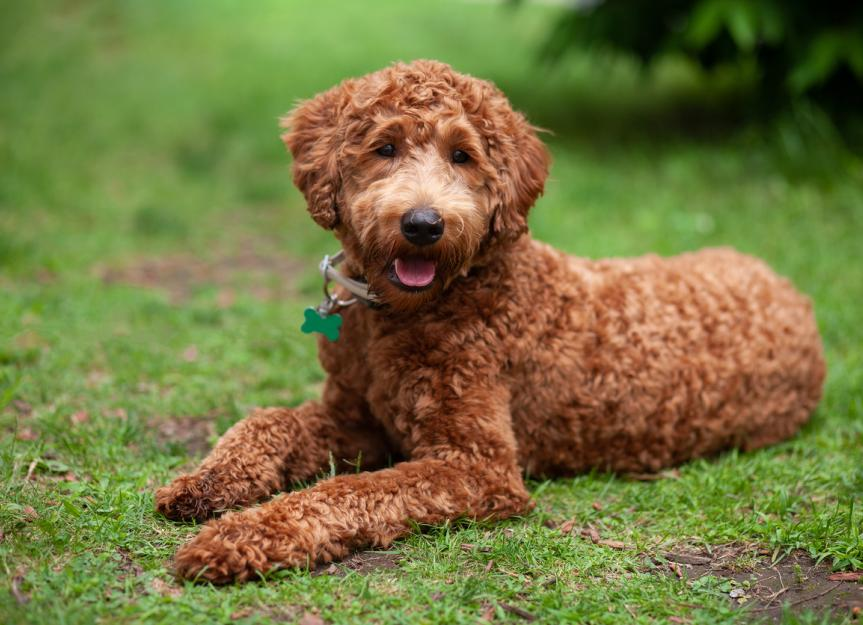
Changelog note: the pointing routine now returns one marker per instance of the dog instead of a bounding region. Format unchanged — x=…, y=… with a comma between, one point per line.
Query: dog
x=471, y=354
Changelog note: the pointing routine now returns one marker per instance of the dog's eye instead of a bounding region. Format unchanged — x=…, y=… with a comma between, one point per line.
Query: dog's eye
x=388, y=150
x=460, y=156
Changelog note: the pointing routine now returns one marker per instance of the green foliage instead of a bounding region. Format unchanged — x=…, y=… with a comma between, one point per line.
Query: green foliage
x=797, y=47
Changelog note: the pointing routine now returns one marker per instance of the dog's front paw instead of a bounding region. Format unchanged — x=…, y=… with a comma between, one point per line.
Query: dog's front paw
x=192, y=497
x=235, y=548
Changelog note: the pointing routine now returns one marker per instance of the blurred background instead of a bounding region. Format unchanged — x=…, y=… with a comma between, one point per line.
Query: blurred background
x=139, y=144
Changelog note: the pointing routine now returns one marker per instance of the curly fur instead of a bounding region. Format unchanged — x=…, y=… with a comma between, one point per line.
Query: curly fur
x=517, y=359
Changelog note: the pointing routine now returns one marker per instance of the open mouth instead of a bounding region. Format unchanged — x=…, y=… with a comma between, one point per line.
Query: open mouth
x=412, y=273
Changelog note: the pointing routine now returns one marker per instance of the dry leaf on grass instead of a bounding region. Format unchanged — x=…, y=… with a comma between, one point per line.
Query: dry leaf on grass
x=846, y=576
x=26, y=434
x=312, y=619
x=487, y=612
x=163, y=588
x=77, y=418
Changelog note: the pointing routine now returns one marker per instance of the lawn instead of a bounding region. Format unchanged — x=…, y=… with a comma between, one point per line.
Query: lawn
x=155, y=261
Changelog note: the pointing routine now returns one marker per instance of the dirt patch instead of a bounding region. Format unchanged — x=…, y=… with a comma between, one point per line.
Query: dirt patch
x=363, y=562
x=753, y=583
x=193, y=433
x=263, y=276
x=127, y=565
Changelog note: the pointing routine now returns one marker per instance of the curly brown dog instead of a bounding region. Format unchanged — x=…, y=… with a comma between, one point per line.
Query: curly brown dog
x=484, y=354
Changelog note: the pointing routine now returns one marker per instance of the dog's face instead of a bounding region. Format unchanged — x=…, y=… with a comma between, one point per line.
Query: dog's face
x=417, y=169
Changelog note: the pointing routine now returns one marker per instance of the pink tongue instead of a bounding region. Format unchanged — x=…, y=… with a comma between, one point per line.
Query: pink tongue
x=414, y=271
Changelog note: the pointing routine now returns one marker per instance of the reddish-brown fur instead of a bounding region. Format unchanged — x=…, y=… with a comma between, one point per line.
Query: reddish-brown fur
x=518, y=358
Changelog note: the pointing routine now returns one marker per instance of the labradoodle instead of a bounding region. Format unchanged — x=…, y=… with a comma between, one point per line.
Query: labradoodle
x=471, y=354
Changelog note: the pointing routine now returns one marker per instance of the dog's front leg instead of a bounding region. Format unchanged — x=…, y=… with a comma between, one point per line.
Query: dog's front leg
x=267, y=451
x=465, y=466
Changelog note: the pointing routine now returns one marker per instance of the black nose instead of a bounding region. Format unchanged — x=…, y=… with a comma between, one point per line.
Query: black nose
x=422, y=226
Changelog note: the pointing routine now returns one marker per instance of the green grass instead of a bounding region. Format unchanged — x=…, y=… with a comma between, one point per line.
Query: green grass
x=133, y=130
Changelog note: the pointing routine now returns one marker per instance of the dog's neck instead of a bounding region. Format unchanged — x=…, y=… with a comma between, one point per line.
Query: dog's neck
x=358, y=289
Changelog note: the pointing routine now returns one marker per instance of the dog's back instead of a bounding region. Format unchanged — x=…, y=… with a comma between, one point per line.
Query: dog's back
x=643, y=363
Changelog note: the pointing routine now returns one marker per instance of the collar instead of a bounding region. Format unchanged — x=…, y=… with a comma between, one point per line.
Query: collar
x=359, y=290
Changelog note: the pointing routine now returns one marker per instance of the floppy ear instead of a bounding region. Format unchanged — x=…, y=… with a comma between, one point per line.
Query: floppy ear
x=312, y=136
x=523, y=162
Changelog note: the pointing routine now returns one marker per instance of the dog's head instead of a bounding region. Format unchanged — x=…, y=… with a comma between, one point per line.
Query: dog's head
x=417, y=169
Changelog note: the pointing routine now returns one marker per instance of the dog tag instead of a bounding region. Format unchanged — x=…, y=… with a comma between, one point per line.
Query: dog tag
x=328, y=326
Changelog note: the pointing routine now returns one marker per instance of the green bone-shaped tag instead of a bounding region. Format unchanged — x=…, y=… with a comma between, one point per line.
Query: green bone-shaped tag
x=328, y=326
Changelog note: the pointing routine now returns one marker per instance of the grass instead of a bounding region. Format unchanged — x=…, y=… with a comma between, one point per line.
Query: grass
x=138, y=131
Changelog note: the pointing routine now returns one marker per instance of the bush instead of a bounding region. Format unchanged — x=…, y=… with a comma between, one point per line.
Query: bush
x=798, y=47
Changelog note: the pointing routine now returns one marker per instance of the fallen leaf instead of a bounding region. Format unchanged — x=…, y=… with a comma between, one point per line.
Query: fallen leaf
x=312, y=619
x=190, y=354
x=591, y=533
x=163, y=588
x=678, y=570
x=488, y=566
x=566, y=526
x=550, y=524
x=77, y=418
x=678, y=620
x=20, y=596
x=597, y=506
x=846, y=576
x=30, y=513
x=26, y=434
x=241, y=613
x=487, y=612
